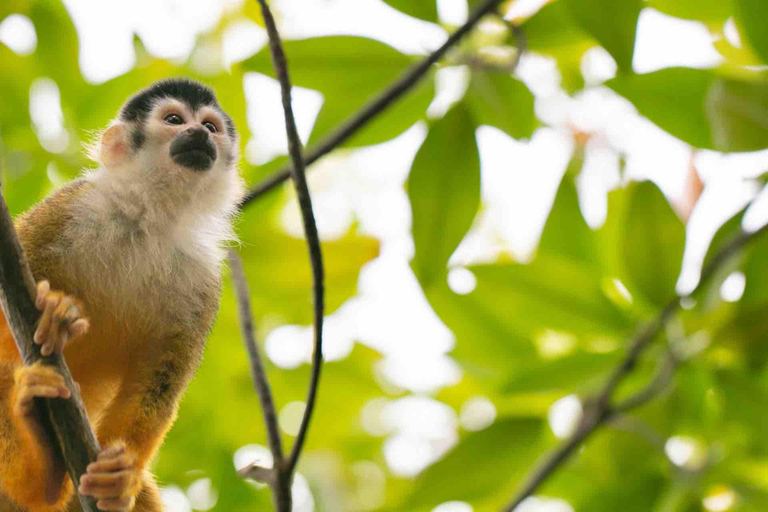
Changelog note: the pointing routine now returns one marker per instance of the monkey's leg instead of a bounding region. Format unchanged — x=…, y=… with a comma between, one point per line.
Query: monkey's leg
x=140, y=416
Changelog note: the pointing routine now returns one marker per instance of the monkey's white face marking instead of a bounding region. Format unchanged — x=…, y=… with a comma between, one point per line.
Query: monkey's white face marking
x=164, y=207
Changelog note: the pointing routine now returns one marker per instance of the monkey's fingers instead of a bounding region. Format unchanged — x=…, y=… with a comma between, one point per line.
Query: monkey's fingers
x=124, y=461
x=121, y=504
x=43, y=287
x=37, y=381
x=115, y=484
x=50, y=302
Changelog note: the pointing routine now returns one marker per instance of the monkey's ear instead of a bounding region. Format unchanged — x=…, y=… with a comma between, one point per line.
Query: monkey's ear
x=113, y=149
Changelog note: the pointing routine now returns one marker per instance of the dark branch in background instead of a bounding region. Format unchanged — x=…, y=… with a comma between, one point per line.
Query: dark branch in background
x=307, y=216
x=66, y=419
x=281, y=475
x=599, y=409
x=406, y=82
x=254, y=471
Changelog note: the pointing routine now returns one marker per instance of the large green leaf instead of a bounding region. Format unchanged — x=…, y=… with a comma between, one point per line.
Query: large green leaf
x=482, y=464
x=672, y=98
x=713, y=12
x=572, y=373
x=424, y=9
x=444, y=189
x=612, y=23
x=500, y=100
x=653, y=243
x=566, y=233
x=349, y=71
x=752, y=15
x=700, y=108
x=738, y=115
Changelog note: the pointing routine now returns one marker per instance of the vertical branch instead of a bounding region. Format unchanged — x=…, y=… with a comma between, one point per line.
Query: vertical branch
x=68, y=418
x=257, y=367
x=310, y=227
x=279, y=481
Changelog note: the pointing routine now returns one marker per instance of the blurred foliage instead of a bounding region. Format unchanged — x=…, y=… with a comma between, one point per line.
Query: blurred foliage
x=529, y=333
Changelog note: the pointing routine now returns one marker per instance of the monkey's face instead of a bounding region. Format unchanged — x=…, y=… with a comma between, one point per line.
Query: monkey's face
x=187, y=139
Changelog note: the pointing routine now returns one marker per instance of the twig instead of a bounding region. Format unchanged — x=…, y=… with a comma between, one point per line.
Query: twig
x=599, y=409
x=260, y=381
x=370, y=110
x=68, y=419
x=659, y=383
x=310, y=227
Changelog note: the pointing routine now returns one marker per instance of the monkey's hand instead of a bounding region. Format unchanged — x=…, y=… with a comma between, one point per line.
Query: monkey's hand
x=114, y=479
x=61, y=321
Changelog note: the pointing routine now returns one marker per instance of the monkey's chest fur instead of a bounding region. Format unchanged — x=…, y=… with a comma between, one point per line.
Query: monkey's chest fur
x=150, y=284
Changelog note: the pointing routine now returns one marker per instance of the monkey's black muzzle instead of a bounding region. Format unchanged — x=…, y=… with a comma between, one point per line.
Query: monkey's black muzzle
x=193, y=148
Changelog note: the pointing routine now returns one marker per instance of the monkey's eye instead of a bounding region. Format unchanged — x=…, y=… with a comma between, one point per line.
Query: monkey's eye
x=173, y=119
x=210, y=126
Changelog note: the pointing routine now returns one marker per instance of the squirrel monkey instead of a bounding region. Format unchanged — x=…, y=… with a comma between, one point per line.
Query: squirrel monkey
x=136, y=246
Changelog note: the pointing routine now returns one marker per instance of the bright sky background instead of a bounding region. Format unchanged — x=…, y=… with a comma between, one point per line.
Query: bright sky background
x=519, y=180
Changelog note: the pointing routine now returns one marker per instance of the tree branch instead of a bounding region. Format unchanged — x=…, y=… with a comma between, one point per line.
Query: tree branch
x=370, y=110
x=599, y=409
x=257, y=367
x=310, y=230
x=69, y=423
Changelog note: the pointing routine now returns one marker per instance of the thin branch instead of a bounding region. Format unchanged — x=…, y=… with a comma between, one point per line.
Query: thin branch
x=69, y=423
x=257, y=367
x=599, y=409
x=310, y=227
x=370, y=110
x=654, y=388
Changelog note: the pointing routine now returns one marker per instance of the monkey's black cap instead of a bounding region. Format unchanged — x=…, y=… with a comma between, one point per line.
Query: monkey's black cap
x=191, y=92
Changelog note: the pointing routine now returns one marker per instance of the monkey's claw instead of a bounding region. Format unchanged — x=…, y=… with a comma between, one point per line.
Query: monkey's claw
x=62, y=319
x=113, y=479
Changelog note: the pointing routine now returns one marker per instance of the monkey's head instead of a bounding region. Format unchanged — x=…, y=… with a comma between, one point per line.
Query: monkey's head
x=174, y=135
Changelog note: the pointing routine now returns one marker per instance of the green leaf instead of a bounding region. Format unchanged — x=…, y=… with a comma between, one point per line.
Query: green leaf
x=424, y=9
x=709, y=292
x=444, y=190
x=700, y=108
x=500, y=100
x=574, y=372
x=738, y=115
x=612, y=23
x=713, y=12
x=653, y=243
x=549, y=293
x=756, y=273
x=349, y=71
x=673, y=99
x=752, y=15
x=482, y=464
x=278, y=263
x=566, y=233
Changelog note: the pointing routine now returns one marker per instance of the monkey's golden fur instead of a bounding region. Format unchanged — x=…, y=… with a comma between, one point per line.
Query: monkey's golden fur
x=138, y=242
x=131, y=371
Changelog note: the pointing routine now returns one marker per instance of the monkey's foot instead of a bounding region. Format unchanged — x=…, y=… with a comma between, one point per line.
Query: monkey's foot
x=62, y=319
x=114, y=479
x=35, y=381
